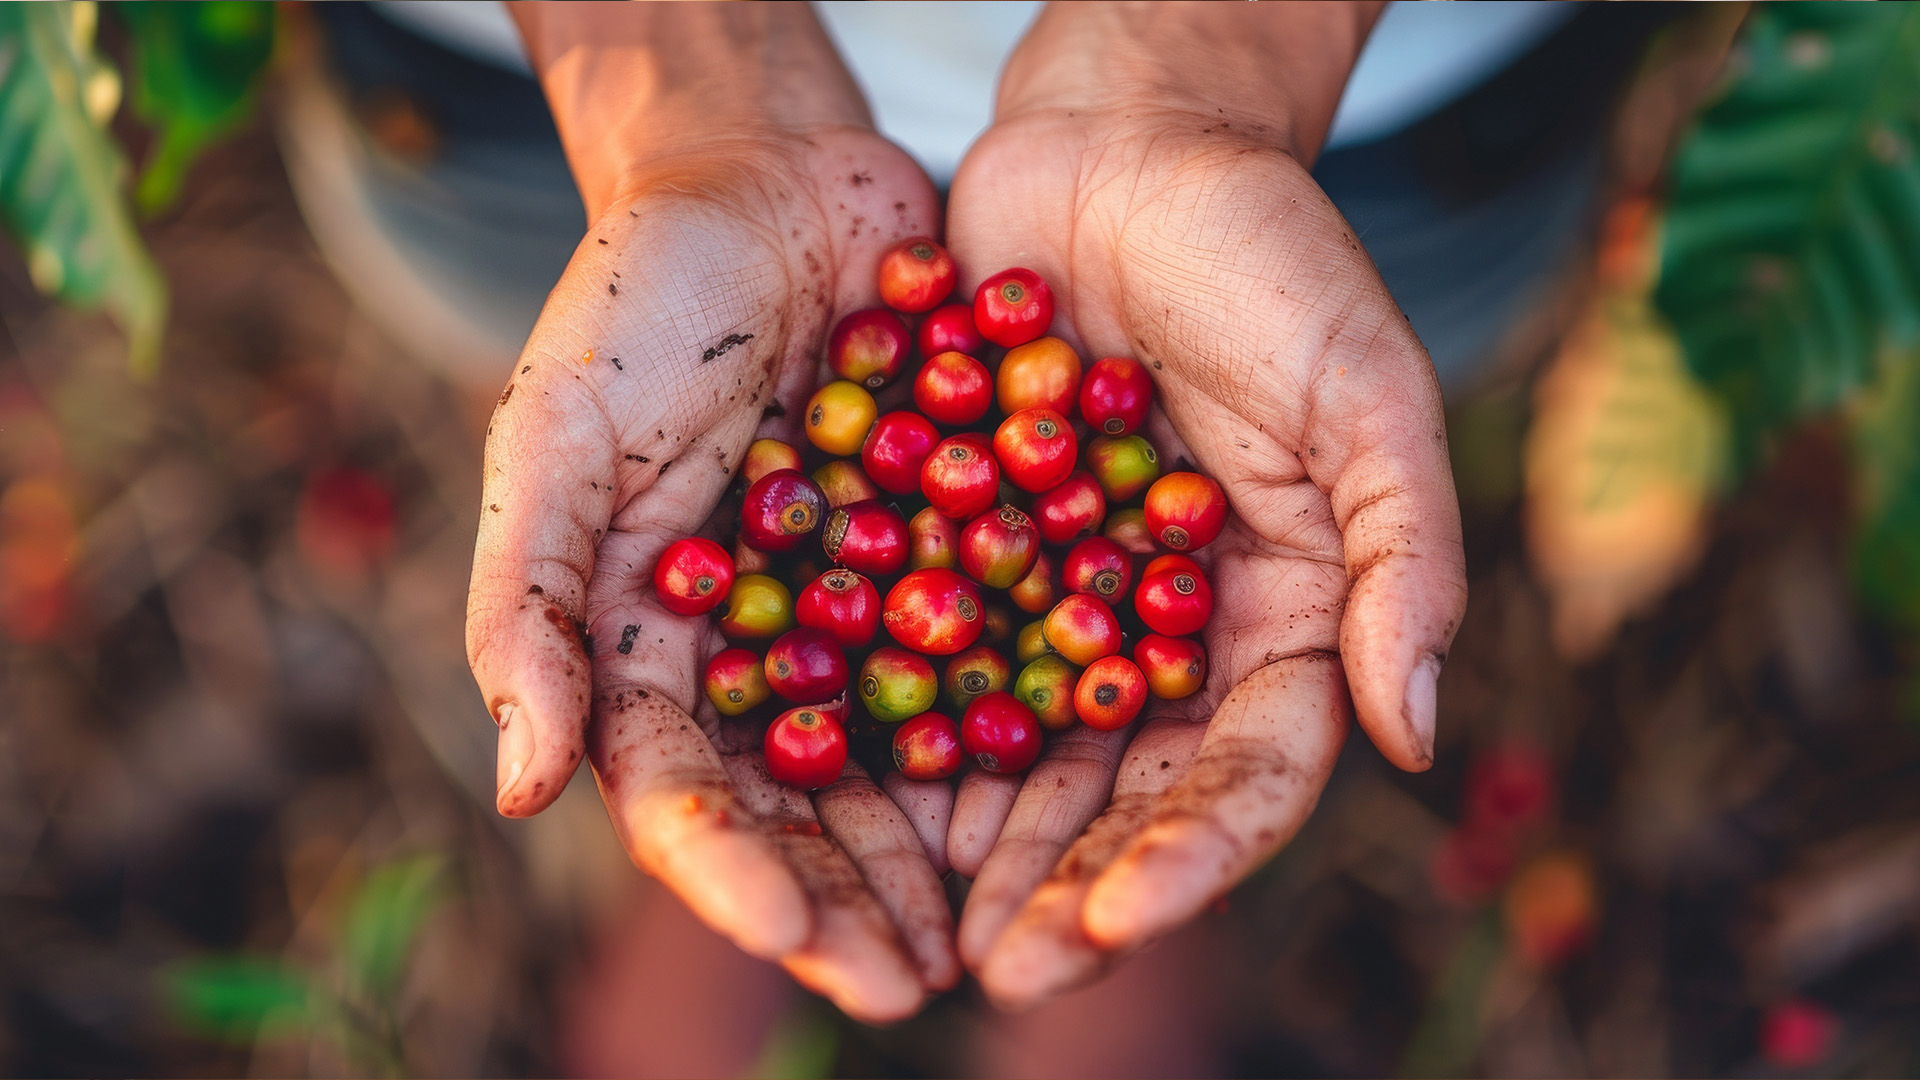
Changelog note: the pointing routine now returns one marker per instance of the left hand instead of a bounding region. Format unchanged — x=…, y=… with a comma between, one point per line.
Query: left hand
x=1198, y=243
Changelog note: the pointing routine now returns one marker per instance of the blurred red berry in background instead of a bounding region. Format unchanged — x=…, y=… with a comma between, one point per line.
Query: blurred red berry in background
x=345, y=522
x=38, y=545
x=1551, y=908
x=1797, y=1034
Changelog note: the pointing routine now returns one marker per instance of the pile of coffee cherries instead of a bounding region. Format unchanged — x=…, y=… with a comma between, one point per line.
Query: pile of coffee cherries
x=994, y=475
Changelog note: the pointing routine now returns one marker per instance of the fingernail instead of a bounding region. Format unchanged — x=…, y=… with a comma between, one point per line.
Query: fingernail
x=516, y=749
x=1422, y=690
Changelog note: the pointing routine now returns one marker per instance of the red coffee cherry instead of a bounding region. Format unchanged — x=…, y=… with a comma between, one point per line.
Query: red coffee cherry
x=869, y=347
x=867, y=537
x=1125, y=466
x=1128, y=528
x=934, y=611
x=979, y=670
x=1174, y=667
x=953, y=388
x=1043, y=374
x=896, y=684
x=806, y=747
x=933, y=540
x=1013, y=307
x=806, y=666
x=896, y=449
x=1046, y=686
x=1110, y=693
x=927, y=747
x=961, y=478
x=736, y=681
x=998, y=548
x=1001, y=734
x=843, y=604
x=1039, y=590
x=693, y=576
x=768, y=455
x=1173, y=561
x=1036, y=449
x=949, y=329
x=1082, y=629
x=916, y=274
x=1174, y=602
x=1116, y=395
x=1071, y=510
x=781, y=509
x=1099, y=567
x=1185, y=510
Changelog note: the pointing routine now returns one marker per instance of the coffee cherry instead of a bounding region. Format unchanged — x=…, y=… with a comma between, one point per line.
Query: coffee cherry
x=1116, y=395
x=1174, y=602
x=1128, y=528
x=693, y=576
x=736, y=681
x=1032, y=642
x=934, y=611
x=933, y=540
x=843, y=483
x=843, y=604
x=1174, y=667
x=1172, y=561
x=806, y=747
x=1000, y=733
x=1036, y=449
x=896, y=449
x=927, y=747
x=1082, y=629
x=1046, y=686
x=979, y=670
x=781, y=509
x=768, y=455
x=896, y=684
x=1099, y=567
x=1110, y=693
x=960, y=478
x=998, y=548
x=953, y=388
x=916, y=274
x=1043, y=374
x=1036, y=593
x=1185, y=510
x=1071, y=510
x=1125, y=466
x=757, y=607
x=869, y=347
x=838, y=417
x=1013, y=307
x=998, y=630
x=806, y=666
x=949, y=329
x=866, y=536
x=748, y=560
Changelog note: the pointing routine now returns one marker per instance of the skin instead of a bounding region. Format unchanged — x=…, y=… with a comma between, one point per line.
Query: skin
x=1150, y=162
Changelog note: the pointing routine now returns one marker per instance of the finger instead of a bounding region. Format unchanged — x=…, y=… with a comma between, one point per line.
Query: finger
x=681, y=820
x=855, y=956
x=1266, y=756
x=876, y=834
x=1043, y=950
x=928, y=805
x=980, y=807
x=1063, y=792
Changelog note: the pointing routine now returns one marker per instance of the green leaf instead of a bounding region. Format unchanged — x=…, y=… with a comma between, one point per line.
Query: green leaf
x=1885, y=436
x=194, y=70
x=61, y=174
x=385, y=917
x=235, y=999
x=1791, y=251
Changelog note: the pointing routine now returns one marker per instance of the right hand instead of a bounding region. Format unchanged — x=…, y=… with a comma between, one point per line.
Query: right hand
x=694, y=311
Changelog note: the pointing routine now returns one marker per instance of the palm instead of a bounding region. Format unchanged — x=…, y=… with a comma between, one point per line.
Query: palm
x=1288, y=374
x=692, y=318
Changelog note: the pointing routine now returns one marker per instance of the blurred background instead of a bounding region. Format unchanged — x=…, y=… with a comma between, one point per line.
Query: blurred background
x=246, y=821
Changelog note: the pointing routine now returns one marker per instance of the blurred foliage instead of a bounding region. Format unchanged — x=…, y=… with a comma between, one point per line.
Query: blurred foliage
x=241, y=999
x=195, y=66
x=62, y=175
x=1885, y=432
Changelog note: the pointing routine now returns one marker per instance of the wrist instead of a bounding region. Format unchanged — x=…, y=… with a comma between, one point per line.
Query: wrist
x=1278, y=69
x=635, y=87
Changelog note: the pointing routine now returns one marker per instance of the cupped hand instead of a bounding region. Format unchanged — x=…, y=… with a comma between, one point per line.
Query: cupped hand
x=691, y=318
x=1203, y=248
